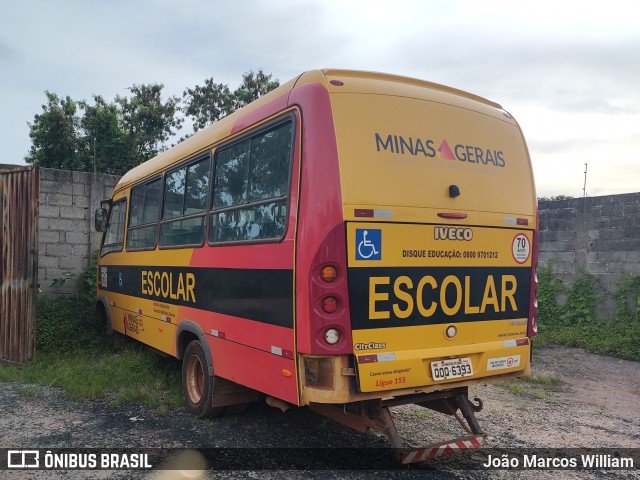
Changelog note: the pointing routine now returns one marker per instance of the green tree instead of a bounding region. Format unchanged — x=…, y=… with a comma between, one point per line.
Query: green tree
x=54, y=135
x=254, y=85
x=105, y=139
x=148, y=121
x=554, y=198
x=208, y=103
x=116, y=136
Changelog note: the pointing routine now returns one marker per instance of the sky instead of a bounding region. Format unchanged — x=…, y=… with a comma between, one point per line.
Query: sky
x=568, y=71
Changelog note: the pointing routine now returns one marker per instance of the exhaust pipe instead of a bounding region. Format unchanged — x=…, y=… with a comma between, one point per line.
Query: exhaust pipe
x=277, y=403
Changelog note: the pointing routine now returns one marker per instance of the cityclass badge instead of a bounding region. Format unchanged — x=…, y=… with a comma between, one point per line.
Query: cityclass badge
x=370, y=346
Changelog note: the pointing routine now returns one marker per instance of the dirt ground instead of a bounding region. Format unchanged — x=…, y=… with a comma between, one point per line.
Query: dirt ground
x=599, y=405
x=592, y=402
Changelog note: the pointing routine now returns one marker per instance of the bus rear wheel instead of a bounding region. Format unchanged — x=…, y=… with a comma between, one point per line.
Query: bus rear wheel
x=197, y=384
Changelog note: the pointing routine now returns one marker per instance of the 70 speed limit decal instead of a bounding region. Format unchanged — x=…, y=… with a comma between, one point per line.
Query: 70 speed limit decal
x=521, y=248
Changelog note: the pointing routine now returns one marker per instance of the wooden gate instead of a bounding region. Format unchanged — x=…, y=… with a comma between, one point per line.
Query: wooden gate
x=19, y=187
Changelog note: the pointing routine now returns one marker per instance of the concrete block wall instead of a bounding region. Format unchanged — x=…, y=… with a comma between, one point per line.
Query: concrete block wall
x=66, y=233
x=599, y=235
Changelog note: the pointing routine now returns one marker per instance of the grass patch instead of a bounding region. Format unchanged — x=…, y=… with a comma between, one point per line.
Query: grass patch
x=547, y=382
x=230, y=421
x=542, y=396
x=535, y=386
x=130, y=376
x=620, y=340
x=513, y=386
x=73, y=352
x=31, y=391
x=422, y=414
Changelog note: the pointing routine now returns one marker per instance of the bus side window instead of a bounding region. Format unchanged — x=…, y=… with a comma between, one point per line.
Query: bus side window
x=114, y=235
x=185, y=201
x=143, y=215
x=251, y=187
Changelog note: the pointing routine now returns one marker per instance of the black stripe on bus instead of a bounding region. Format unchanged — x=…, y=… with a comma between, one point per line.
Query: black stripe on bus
x=256, y=294
x=379, y=297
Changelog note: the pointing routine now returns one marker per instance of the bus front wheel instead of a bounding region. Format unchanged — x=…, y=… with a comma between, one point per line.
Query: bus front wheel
x=197, y=384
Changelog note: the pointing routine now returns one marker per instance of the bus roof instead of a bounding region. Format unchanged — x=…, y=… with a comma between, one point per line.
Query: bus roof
x=374, y=82
x=345, y=81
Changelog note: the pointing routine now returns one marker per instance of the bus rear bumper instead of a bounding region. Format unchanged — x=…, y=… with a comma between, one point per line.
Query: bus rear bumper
x=332, y=379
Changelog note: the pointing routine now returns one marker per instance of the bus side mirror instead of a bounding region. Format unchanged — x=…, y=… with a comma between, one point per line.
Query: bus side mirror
x=100, y=219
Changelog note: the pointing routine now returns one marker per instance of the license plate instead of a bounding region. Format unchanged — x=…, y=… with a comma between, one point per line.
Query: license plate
x=451, y=368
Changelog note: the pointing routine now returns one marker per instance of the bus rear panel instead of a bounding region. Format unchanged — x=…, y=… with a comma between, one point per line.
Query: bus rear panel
x=439, y=231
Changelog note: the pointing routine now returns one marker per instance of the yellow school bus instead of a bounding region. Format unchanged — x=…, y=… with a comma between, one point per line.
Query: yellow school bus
x=349, y=242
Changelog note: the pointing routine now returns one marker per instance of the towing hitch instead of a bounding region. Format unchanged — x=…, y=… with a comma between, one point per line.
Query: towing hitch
x=375, y=414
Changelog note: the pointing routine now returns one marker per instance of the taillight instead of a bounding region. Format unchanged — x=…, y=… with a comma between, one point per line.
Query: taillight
x=329, y=304
x=329, y=274
x=329, y=321
x=332, y=336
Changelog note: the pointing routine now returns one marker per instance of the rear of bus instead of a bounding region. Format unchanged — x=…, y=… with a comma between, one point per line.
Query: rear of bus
x=438, y=242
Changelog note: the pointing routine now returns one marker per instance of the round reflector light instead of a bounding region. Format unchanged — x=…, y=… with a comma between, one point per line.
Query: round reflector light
x=329, y=304
x=329, y=273
x=332, y=336
x=451, y=331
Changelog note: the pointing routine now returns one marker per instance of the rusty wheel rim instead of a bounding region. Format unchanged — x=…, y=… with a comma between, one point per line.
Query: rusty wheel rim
x=195, y=379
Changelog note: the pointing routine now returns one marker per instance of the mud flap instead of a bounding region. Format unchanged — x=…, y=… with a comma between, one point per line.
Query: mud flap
x=228, y=393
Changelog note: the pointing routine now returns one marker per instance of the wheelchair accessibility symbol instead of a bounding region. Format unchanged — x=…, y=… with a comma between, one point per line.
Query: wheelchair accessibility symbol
x=368, y=244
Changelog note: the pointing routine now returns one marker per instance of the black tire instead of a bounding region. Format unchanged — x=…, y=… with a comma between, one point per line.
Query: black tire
x=197, y=385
